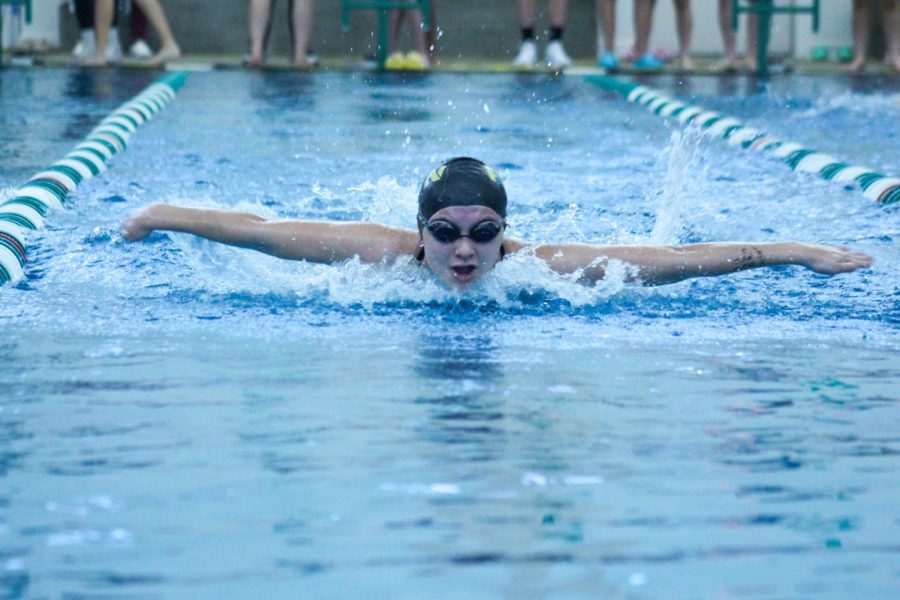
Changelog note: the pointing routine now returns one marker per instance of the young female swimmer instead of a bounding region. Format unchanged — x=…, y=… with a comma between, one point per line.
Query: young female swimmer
x=462, y=211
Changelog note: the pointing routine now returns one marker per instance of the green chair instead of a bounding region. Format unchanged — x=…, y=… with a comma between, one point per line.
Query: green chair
x=15, y=5
x=765, y=9
x=384, y=7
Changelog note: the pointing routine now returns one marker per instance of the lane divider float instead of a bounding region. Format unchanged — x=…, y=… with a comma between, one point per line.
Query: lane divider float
x=48, y=190
x=876, y=186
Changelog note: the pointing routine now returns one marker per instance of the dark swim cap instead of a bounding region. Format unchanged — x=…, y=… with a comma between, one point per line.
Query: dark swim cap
x=461, y=181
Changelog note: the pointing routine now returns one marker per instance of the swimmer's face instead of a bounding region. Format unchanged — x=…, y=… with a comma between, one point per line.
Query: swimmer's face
x=462, y=261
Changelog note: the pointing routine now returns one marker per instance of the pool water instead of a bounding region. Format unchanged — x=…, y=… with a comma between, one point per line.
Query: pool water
x=181, y=419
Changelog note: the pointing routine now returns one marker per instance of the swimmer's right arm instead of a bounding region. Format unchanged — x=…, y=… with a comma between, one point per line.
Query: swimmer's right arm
x=316, y=241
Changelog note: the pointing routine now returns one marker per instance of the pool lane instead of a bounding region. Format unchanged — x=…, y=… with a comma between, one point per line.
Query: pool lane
x=876, y=186
x=48, y=189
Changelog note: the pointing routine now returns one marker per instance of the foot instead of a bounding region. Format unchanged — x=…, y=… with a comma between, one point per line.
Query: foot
x=687, y=65
x=729, y=64
x=527, y=56
x=140, y=49
x=857, y=66
x=113, y=47
x=166, y=54
x=648, y=62
x=252, y=61
x=84, y=49
x=95, y=61
x=555, y=56
x=892, y=63
x=395, y=61
x=609, y=62
x=416, y=61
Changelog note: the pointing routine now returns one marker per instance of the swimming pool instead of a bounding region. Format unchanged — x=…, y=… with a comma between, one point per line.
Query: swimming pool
x=181, y=419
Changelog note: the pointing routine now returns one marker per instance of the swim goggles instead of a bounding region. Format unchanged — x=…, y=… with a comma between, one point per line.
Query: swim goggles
x=446, y=232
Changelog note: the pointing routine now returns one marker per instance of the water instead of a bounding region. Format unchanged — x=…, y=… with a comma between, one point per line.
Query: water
x=181, y=419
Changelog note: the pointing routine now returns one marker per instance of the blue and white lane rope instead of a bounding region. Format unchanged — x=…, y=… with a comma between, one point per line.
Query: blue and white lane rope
x=876, y=186
x=48, y=189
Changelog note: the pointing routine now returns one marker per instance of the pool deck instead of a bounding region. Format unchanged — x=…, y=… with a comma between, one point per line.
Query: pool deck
x=208, y=62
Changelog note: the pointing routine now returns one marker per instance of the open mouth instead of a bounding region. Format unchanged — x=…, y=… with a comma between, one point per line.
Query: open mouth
x=464, y=272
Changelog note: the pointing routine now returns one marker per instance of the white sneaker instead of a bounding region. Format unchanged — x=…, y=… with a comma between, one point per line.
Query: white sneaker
x=85, y=46
x=527, y=56
x=140, y=49
x=556, y=57
x=113, y=47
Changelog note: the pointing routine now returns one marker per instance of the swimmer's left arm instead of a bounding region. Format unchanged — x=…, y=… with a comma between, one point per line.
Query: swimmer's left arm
x=667, y=264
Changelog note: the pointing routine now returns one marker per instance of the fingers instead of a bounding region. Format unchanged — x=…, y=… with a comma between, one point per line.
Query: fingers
x=131, y=232
x=136, y=227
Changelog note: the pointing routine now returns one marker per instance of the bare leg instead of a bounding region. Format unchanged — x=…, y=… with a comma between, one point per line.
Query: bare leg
x=414, y=20
x=395, y=20
x=890, y=11
x=557, y=16
x=527, y=11
x=729, y=44
x=643, y=21
x=169, y=49
x=860, y=36
x=606, y=16
x=103, y=18
x=685, y=24
x=301, y=26
x=431, y=34
x=259, y=18
x=752, y=41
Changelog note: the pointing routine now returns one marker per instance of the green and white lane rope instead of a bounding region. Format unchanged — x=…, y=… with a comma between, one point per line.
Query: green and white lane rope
x=876, y=186
x=48, y=189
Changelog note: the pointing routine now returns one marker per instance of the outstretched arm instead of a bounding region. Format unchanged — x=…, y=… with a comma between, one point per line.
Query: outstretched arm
x=667, y=264
x=315, y=241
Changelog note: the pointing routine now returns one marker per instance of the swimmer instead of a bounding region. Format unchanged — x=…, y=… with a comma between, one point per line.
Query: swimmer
x=460, y=238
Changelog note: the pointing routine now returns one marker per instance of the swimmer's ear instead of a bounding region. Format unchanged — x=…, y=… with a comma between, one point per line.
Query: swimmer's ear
x=420, y=250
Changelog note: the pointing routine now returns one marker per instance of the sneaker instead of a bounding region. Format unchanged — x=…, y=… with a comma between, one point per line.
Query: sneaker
x=395, y=62
x=140, y=49
x=527, y=56
x=85, y=46
x=555, y=57
x=648, y=62
x=416, y=62
x=608, y=61
x=113, y=47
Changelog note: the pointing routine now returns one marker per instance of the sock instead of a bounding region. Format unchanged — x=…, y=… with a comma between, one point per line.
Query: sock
x=527, y=33
x=555, y=33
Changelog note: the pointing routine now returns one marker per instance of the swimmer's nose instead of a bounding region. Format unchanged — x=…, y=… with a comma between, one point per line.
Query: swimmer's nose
x=464, y=248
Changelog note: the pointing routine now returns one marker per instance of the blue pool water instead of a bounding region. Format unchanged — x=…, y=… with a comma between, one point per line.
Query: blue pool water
x=181, y=419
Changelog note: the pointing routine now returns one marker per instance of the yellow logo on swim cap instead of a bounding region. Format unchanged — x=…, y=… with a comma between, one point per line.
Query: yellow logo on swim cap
x=491, y=173
x=437, y=174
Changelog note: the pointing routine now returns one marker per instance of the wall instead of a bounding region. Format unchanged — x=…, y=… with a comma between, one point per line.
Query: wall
x=469, y=30
x=44, y=26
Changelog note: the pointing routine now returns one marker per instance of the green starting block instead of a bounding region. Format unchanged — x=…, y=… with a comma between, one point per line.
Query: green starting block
x=384, y=7
x=765, y=9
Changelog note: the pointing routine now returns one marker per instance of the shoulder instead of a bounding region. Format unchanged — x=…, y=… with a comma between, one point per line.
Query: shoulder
x=393, y=240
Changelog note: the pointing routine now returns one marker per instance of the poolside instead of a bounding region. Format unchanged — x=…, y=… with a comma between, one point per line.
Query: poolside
x=182, y=419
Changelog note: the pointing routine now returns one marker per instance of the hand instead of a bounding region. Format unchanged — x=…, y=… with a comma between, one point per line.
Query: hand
x=831, y=260
x=139, y=224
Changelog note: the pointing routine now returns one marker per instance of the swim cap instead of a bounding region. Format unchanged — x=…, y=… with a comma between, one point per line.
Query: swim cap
x=461, y=181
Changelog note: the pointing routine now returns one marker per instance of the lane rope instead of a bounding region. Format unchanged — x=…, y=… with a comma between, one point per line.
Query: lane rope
x=46, y=191
x=876, y=186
